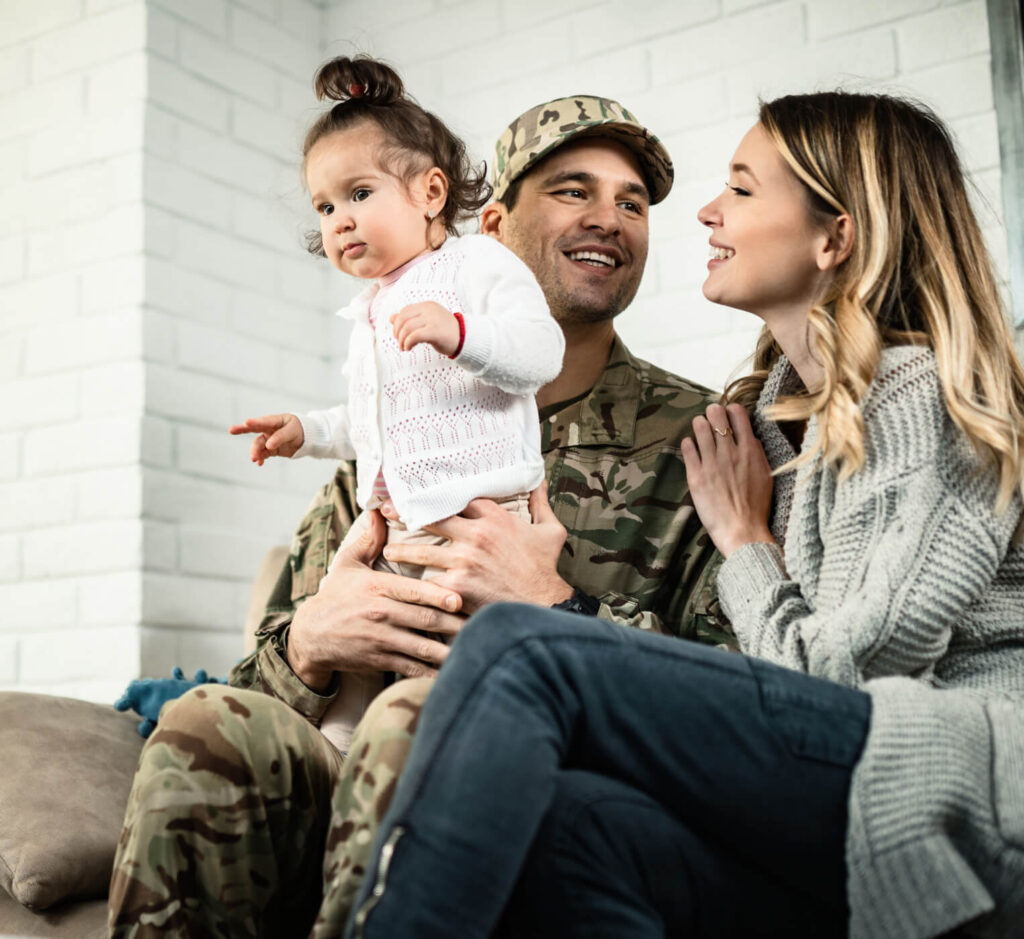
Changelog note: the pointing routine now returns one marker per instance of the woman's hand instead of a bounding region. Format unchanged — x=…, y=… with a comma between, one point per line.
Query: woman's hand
x=729, y=478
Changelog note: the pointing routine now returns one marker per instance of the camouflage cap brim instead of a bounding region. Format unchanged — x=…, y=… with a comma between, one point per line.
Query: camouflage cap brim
x=544, y=128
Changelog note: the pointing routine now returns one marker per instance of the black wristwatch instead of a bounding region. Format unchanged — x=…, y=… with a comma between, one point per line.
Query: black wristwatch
x=579, y=602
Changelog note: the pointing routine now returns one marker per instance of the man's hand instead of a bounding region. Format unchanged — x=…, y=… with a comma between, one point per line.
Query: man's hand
x=427, y=322
x=362, y=620
x=494, y=556
x=285, y=438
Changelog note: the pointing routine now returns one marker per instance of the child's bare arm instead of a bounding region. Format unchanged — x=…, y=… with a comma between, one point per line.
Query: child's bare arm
x=427, y=322
x=278, y=435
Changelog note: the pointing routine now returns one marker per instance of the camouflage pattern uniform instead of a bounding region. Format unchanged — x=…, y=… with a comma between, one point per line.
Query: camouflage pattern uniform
x=544, y=128
x=224, y=832
x=616, y=482
x=226, y=823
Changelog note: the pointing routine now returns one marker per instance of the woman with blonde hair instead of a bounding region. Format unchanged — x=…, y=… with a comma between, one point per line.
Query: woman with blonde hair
x=861, y=768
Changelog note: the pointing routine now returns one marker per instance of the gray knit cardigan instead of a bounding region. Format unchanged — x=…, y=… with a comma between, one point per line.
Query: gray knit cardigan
x=902, y=581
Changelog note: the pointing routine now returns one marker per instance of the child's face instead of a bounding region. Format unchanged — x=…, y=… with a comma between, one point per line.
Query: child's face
x=370, y=221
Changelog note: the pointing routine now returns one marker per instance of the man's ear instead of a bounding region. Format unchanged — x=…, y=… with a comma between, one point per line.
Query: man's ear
x=494, y=221
x=838, y=245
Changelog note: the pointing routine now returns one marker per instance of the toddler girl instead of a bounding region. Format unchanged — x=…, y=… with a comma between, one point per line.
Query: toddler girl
x=450, y=339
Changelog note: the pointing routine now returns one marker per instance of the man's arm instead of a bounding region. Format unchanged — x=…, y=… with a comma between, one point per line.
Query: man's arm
x=356, y=620
x=495, y=557
x=314, y=543
x=362, y=620
x=679, y=598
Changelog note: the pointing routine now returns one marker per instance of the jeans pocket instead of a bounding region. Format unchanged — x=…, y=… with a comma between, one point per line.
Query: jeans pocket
x=1007, y=723
x=818, y=719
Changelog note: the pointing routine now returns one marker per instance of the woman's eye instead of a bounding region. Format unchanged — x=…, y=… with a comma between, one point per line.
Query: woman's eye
x=739, y=190
x=360, y=194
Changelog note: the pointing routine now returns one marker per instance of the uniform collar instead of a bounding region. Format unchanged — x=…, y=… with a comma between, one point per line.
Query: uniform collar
x=607, y=415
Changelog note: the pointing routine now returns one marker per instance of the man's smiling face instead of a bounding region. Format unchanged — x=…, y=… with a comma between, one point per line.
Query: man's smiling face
x=580, y=224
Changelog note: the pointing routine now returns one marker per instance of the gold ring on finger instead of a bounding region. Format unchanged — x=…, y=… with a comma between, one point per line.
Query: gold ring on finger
x=722, y=433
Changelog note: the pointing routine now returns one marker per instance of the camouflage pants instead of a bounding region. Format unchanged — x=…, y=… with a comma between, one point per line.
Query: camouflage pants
x=380, y=748
x=244, y=821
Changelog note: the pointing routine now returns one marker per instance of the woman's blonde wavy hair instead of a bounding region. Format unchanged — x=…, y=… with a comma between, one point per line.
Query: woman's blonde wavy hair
x=918, y=273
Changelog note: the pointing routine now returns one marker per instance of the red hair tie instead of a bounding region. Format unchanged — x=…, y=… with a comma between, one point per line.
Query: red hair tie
x=356, y=91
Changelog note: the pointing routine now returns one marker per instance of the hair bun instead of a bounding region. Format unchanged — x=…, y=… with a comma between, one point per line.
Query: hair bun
x=358, y=79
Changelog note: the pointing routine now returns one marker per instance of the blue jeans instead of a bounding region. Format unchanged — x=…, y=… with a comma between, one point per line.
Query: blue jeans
x=734, y=774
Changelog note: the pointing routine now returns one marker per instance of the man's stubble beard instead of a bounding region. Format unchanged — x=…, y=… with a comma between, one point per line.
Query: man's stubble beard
x=572, y=307
x=580, y=308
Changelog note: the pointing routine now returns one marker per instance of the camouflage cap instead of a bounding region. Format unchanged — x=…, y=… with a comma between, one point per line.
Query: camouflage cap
x=541, y=129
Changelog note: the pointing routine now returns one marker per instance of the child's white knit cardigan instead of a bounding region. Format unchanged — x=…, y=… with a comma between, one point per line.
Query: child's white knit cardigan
x=446, y=431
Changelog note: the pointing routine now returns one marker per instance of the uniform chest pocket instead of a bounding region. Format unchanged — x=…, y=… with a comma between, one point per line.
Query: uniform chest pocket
x=1007, y=722
x=311, y=551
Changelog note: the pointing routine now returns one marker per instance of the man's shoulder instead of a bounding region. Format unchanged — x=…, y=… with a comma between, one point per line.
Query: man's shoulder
x=642, y=406
x=661, y=384
x=655, y=375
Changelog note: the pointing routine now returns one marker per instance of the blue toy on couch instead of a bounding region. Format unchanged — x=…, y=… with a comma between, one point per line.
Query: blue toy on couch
x=145, y=696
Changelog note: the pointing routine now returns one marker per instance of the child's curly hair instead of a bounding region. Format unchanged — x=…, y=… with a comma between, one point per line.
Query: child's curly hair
x=366, y=89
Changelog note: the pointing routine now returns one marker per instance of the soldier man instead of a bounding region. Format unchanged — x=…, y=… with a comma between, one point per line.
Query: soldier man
x=227, y=825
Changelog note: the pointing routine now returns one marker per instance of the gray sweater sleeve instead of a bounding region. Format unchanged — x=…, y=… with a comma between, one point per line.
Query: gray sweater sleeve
x=884, y=562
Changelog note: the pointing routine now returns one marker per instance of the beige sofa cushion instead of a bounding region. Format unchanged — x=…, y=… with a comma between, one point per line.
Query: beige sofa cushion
x=266, y=577
x=65, y=770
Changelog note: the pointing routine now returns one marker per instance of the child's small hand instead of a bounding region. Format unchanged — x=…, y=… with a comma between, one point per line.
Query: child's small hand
x=285, y=435
x=426, y=322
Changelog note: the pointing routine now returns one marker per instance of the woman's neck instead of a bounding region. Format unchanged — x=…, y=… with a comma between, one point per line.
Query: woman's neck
x=792, y=334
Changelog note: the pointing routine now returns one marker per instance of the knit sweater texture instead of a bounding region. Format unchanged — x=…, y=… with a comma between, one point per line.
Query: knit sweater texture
x=446, y=431
x=903, y=581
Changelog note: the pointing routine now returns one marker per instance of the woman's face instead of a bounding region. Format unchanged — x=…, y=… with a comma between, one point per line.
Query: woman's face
x=765, y=243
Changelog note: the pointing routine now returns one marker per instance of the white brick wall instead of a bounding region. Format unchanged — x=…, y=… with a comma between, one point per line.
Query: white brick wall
x=71, y=211
x=153, y=290
x=692, y=71
x=153, y=287
x=225, y=319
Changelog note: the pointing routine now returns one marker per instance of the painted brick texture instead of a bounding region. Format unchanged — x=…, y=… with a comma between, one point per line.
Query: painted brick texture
x=71, y=210
x=153, y=286
x=231, y=334
x=154, y=290
x=692, y=71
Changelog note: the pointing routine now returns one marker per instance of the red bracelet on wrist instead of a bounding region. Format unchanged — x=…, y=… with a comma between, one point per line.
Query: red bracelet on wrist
x=462, y=334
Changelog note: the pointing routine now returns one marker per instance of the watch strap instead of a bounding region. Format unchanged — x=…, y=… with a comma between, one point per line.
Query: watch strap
x=582, y=603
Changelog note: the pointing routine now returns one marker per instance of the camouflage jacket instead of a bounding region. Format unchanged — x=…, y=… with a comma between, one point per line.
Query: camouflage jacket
x=616, y=482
